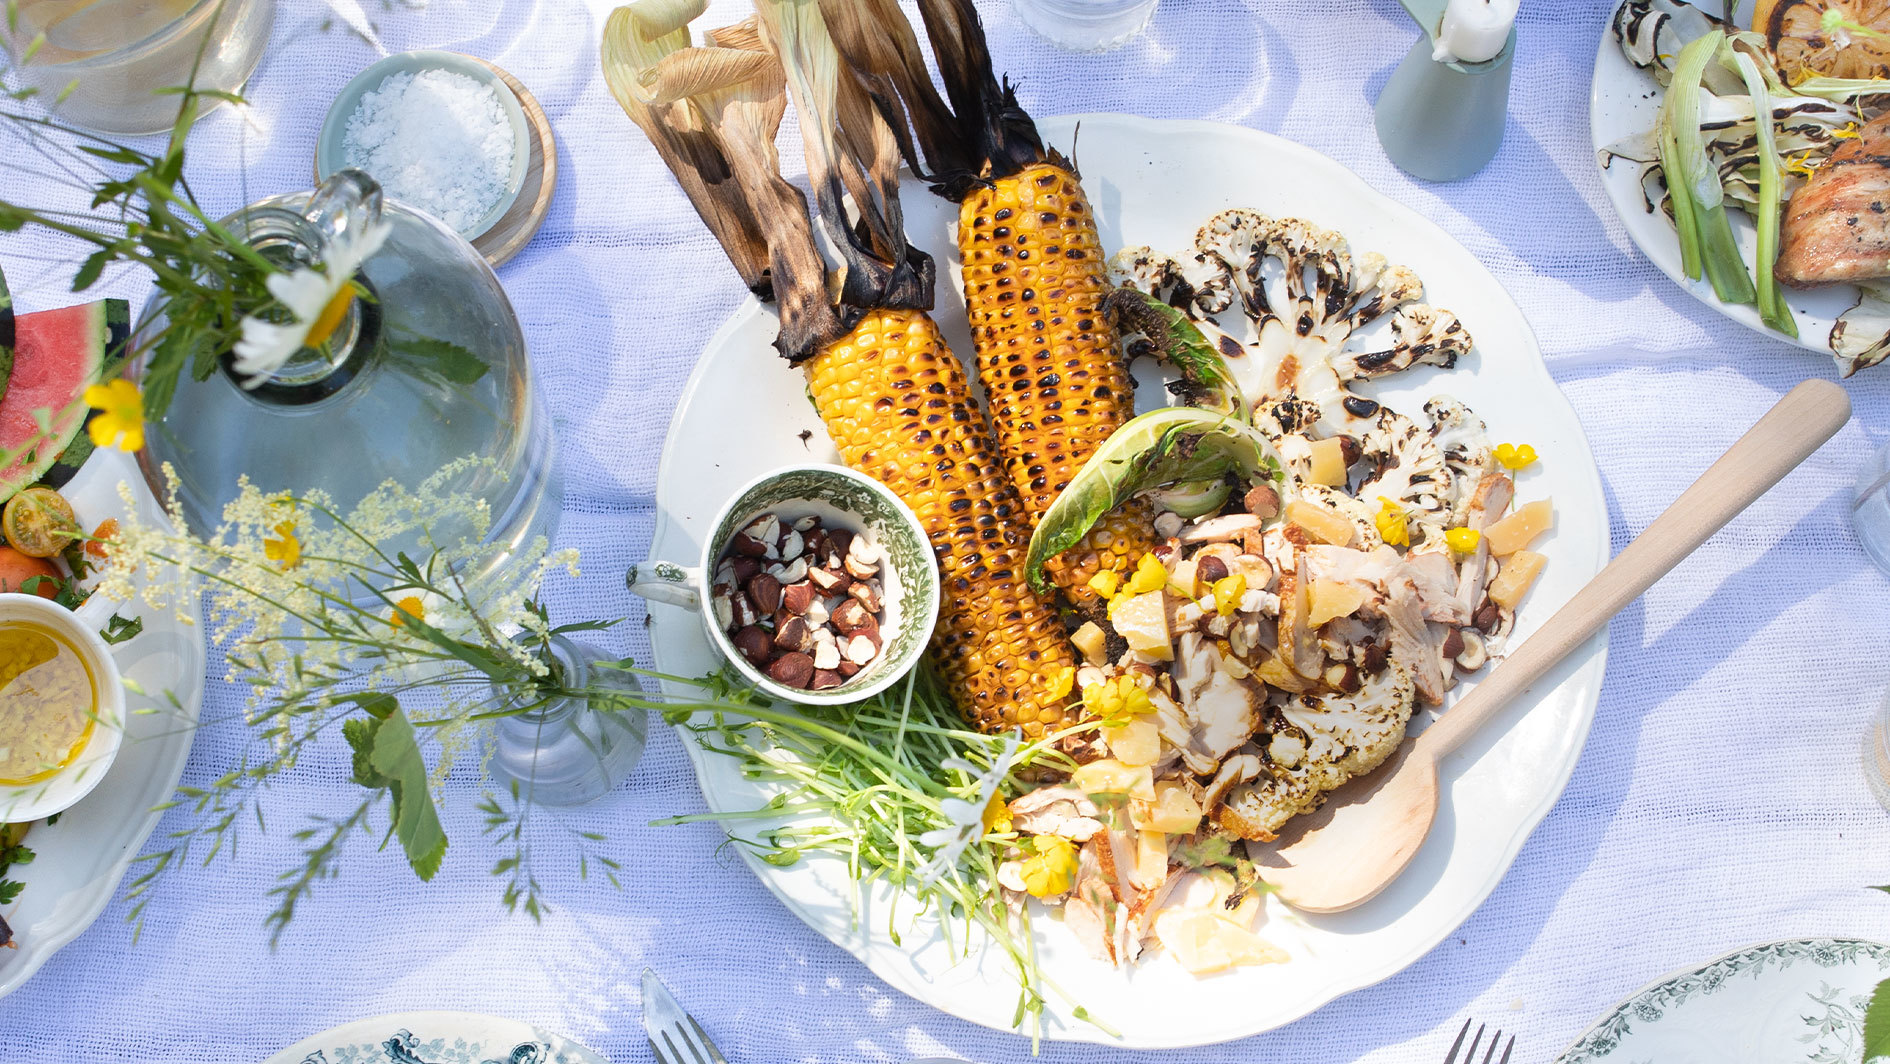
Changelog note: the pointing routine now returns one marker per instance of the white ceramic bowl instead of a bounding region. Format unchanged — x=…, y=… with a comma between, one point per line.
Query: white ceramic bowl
x=331, y=155
x=43, y=798
x=840, y=498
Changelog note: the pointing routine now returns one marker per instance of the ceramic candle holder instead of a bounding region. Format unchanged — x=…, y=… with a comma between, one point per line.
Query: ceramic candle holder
x=1443, y=121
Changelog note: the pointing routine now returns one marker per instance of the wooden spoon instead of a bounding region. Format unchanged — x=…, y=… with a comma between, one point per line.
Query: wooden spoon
x=1368, y=831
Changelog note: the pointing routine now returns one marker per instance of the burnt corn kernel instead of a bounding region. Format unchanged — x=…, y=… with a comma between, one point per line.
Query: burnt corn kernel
x=998, y=646
x=1062, y=341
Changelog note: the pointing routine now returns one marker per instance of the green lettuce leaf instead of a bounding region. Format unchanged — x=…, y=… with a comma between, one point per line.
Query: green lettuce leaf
x=1173, y=445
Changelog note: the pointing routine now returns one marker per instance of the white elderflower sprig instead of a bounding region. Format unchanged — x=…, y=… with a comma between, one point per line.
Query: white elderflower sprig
x=394, y=612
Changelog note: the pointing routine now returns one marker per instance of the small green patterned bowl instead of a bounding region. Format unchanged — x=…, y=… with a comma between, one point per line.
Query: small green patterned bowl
x=840, y=498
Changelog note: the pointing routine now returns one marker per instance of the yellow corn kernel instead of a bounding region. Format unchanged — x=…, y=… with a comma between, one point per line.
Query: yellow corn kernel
x=1227, y=593
x=1463, y=540
x=1105, y=583
x=899, y=408
x=1511, y=456
x=1390, y=522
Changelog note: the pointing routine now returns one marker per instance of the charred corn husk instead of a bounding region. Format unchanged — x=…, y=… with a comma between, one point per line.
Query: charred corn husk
x=899, y=407
x=896, y=402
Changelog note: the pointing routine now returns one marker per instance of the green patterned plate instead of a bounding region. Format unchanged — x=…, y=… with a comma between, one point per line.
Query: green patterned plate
x=1797, y=1002
x=436, y=1038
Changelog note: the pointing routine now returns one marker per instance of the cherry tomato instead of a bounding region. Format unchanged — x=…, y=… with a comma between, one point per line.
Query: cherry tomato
x=96, y=547
x=16, y=569
x=39, y=522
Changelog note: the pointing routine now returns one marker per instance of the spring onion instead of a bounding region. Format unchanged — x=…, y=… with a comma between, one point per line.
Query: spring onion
x=1771, y=300
x=1695, y=183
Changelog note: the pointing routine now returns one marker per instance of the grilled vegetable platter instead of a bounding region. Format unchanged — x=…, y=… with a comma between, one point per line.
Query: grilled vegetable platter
x=1779, y=225
x=1233, y=469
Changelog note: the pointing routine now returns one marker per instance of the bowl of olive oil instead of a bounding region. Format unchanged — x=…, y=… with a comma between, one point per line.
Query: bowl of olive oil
x=62, y=708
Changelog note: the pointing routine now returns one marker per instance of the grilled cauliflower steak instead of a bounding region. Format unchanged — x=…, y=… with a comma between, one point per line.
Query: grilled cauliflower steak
x=1318, y=742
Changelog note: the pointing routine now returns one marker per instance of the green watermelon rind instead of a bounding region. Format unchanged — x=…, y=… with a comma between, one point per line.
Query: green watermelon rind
x=6, y=335
x=108, y=326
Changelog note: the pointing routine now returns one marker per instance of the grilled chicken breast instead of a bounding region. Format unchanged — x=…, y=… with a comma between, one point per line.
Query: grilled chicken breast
x=1837, y=227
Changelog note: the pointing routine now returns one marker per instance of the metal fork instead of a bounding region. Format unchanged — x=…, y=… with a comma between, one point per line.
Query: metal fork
x=675, y=1036
x=1470, y=1055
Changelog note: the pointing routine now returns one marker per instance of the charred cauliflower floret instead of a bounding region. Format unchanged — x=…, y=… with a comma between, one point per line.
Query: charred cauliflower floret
x=1307, y=296
x=1463, y=440
x=1319, y=742
x=1411, y=472
x=1420, y=335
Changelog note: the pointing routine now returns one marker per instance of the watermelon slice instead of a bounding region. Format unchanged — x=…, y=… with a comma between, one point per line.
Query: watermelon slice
x=56, y=354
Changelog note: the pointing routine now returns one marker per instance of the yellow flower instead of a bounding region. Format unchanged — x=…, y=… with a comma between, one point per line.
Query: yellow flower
x=997, y=815
x=1513, y=457
x=1150, y=575
x=1463, y=540
x=1105, y=582
x=1117, y=700
x=411, y=606
x=1052, y=869
x=120, y=421
x=286, y=549
x=1062, y=683
x=1227, y=593
x=1390, y=522
x=315, y=301
x=1801, y=164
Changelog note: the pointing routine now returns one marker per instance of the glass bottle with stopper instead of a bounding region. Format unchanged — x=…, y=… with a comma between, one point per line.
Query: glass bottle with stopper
x=425, y=370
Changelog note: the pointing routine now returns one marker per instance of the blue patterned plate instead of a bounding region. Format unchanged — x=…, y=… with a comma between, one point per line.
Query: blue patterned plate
x=436, y=1038
x=1798, y=1002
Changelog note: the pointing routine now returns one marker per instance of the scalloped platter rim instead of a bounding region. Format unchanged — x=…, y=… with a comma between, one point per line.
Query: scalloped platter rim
x=82, y=859
x=1793, y=1001
x=436, y=1037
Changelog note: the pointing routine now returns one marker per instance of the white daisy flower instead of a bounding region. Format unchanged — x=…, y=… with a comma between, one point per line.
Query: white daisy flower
x=966, y=816
x=315, y=297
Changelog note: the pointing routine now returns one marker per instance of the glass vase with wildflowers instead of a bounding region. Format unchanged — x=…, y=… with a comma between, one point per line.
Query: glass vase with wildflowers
x=412, y=662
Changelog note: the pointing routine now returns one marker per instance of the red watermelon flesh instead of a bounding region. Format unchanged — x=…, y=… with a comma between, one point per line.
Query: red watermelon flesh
x=56, y=355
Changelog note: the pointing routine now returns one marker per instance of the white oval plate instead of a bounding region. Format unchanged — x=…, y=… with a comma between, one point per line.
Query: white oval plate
x=1625, y=101
x=1795, y=1002
x=436, y=1038
x=81, y=860
x=1155, y=183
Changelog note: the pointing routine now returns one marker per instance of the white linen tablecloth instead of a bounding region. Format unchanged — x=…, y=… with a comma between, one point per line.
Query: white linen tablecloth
x=1719, y=801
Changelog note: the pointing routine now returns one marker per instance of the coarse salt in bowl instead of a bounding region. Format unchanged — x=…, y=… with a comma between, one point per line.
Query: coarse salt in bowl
x=439, y=131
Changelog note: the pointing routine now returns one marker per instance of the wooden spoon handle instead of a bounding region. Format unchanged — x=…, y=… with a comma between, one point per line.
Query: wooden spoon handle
x=1798, y=425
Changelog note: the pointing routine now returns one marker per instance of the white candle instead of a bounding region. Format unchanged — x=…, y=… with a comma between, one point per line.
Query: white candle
x=1474, y=30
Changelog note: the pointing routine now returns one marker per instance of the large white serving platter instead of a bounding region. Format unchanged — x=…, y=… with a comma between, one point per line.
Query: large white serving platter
x=81, y=860
x=1155, y=182
x=1624, y=102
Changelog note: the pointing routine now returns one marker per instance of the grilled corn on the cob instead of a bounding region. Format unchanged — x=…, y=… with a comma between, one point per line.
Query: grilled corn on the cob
x=1047, y=354
x=899, y=407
